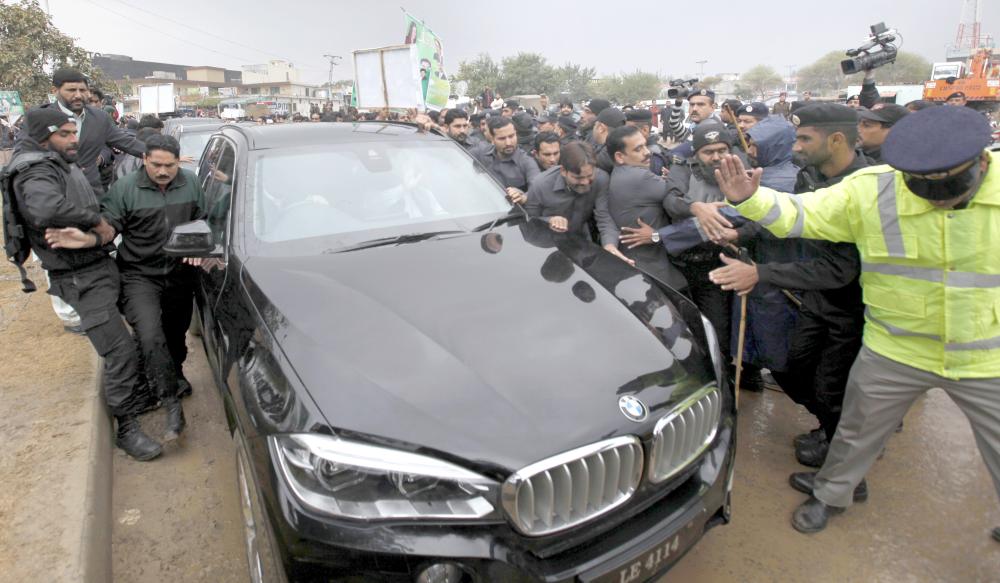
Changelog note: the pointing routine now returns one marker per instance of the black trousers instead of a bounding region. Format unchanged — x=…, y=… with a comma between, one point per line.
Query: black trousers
x=820, y=357
x=158, y=308
x=710, y=299
x=93, y=293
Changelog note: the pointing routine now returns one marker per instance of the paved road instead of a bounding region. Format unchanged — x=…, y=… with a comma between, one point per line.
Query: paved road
x=928, y=518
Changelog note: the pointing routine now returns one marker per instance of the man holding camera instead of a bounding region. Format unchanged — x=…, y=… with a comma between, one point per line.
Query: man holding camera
x=701, y=107
x=923, y=227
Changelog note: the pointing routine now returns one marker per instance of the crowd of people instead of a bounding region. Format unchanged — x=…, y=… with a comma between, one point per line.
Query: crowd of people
x=847, y=237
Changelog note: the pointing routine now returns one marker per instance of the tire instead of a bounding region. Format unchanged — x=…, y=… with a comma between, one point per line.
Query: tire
x=264, y=563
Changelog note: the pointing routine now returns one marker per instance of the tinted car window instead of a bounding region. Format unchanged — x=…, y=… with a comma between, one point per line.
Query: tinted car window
x=357, y=187
x=218, y=174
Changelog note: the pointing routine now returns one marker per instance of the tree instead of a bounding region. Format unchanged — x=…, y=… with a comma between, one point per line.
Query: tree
x=32, y=46
x=575, y=80
x=527, y=73
x=480, y=73
x=824, y=75
x=758, y=81
x=710, y=81
x=628, y=88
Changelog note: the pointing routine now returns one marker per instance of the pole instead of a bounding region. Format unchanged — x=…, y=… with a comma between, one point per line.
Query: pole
x=702, y=72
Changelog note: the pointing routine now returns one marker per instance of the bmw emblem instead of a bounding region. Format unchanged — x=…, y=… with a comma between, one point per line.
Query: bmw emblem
x=633, y=408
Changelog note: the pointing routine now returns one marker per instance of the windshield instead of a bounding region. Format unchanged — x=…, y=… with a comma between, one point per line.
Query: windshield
x=354, y=192
x=193, y=144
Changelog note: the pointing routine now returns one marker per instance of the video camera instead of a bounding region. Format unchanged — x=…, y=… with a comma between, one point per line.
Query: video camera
x=878, y=51
x=680, y=88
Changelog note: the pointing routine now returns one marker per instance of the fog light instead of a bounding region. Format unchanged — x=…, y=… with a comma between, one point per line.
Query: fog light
x=441, y=573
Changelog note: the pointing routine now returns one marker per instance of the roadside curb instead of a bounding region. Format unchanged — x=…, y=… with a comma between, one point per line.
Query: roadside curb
x=95, y=542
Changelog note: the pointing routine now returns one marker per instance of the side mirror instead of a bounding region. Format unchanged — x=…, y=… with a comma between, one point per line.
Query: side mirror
x=192, y=239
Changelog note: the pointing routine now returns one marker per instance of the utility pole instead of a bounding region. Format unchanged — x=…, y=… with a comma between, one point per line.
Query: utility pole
x=702, y=72
x=329, y=87
x=791, y=70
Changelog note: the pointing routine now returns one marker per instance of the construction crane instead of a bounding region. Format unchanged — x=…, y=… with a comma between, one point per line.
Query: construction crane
x=972, y=65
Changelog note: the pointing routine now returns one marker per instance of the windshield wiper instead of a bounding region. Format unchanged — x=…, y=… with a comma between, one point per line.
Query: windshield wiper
x=394, y=240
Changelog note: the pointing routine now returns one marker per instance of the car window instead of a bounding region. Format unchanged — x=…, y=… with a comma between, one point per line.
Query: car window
x=364, y=186
x=193, y=143
x=218, y=174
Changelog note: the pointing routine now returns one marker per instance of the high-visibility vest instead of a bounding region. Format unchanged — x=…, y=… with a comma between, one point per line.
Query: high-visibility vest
x=930, y=277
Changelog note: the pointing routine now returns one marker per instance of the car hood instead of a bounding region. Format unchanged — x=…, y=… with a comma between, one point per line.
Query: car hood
x=499, y=349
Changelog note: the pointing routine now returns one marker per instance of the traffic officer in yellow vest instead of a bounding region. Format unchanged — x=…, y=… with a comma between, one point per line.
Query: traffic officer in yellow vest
x=926, y=227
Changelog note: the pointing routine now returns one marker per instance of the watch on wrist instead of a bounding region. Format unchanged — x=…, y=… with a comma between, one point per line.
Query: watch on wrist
x=655, y=236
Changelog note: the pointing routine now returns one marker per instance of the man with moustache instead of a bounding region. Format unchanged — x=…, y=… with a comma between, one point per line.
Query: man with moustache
x=509, y=164
x=53, y=199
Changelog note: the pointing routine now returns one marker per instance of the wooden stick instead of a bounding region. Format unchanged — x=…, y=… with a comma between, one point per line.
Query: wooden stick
x=739, y=130
x=739, y=348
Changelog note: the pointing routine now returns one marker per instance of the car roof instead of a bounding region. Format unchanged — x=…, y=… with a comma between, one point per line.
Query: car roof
x=306, y=134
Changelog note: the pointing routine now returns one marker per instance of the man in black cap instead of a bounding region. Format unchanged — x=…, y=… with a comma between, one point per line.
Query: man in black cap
x=509, y=164
x=750, y=114
x=524, y=125
x=567, y=129
x=589, y=116
x=97, y=132
x=874, y=125
x=701, y=107
x=54, y=198
x=925, y=225
x=566, y=196
x=643, y=120
x=510, y=107
x=545, y=122
x=609, y=119
x=957, y=98
x=827, y=334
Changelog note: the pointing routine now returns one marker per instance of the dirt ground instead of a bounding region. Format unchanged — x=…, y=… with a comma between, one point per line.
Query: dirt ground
x=46, y=386
x=178, y=517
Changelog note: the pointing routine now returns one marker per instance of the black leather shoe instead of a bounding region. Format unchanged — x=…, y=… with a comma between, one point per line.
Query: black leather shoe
x=813, y=436
x=812, y=454
x=175, y=418
x=805, y=482
x=134, y=441
x=183, y=387
x=812, y=515
x=996, y=534
x=751, y=381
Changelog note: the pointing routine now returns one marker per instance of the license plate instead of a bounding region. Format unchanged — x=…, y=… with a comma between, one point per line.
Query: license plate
x=656, y=558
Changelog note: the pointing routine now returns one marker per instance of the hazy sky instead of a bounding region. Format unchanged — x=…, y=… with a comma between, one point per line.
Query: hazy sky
x=664, y=37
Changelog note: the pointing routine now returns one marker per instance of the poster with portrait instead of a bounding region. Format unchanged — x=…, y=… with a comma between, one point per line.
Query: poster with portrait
x=11, y=105
x=430, y=52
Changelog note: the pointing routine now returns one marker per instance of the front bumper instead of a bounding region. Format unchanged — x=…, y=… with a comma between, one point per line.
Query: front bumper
x=317, y=548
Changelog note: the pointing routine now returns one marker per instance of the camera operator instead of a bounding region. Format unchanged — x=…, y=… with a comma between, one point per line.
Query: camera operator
x=701, y=107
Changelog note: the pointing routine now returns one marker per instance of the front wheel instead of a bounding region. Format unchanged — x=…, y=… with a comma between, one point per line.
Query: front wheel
x=263, y=561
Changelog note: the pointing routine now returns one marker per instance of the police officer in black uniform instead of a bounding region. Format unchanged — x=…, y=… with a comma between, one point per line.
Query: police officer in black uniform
x=54, y=198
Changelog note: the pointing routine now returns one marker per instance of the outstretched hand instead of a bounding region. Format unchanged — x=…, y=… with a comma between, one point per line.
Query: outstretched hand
x=734, y=180
x=70, y=238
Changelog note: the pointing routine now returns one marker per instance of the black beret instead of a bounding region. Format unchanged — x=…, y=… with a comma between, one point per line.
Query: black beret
x=523, y=123
x=639, y=115
x=757, y=109
x=511, y=104
x=546, y=118
x=797, y=105
x=936, y=139
x=567, y=123
x=702, y=93
x=611, y=117
x=598, y=105
x=887, y=113
x=476, y=118
x=824, y=114
x=956, y=94
x=711, y=133
x=67, y=76
x=45, y=121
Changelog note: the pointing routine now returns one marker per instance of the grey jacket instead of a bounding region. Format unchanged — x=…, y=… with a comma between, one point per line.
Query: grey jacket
x=550, y=197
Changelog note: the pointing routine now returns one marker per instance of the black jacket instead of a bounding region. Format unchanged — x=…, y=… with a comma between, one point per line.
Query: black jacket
x=99, y=134
x=53, y=193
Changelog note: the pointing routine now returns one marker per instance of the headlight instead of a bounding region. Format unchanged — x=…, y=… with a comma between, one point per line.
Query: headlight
x=366, y=482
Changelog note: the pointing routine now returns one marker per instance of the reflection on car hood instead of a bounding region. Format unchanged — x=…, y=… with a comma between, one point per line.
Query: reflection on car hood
x=500, y=349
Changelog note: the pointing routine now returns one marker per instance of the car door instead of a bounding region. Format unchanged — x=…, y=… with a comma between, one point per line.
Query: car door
x=219, y=181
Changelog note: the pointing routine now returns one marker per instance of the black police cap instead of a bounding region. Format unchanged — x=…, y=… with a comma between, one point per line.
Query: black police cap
x=639, y=115
x=702, y=93
x=887, y=113
x=611, y=117
x=936, y=139
x=756, y=109
x=711, y=133
x=824, y=115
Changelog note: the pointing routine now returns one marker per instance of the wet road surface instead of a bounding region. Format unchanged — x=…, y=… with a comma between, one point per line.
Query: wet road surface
x=928, y=517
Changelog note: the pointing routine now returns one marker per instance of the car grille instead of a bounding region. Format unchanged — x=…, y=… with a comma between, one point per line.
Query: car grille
x=684, y=433
x=574, y=487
